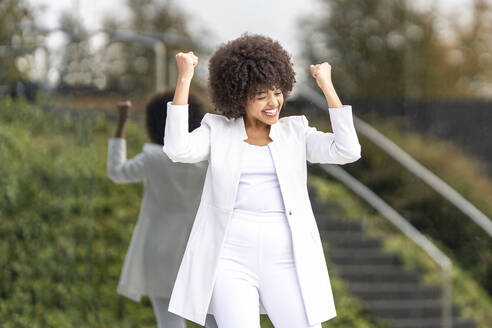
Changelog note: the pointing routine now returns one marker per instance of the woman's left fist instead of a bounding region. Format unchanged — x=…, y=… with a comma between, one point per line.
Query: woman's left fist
x=322, y=73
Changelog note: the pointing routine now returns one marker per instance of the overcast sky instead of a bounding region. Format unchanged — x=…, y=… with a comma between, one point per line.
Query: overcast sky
x=226, y=18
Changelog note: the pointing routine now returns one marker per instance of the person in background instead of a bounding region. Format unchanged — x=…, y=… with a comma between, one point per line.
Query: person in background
x=170, y=200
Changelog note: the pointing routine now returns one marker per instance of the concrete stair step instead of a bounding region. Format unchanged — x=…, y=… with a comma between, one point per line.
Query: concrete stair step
x=393, y=291
x=339, y=225
x=358, y=242
x=377, y=273
x=361, y=256
x=406, y=309
x=429, y=323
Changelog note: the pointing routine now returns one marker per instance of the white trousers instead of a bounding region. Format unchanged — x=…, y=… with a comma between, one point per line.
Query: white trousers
x=257, y=262
x=166, y=319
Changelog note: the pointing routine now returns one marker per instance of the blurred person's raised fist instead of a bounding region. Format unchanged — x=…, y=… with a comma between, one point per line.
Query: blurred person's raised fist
x=124, y=108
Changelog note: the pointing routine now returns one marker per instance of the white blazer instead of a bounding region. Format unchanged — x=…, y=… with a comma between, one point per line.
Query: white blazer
x=221, y=141
x=171, y=196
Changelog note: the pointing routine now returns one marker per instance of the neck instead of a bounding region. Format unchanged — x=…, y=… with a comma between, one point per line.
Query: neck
x=255, y=124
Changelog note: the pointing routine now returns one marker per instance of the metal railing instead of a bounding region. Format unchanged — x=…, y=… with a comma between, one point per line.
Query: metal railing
x=408, y=230
x=155, y=41
x=409, y=163
x=393, y=216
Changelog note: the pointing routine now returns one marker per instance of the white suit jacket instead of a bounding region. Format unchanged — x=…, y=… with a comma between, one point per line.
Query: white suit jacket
x=220, y=141
x=171, y=196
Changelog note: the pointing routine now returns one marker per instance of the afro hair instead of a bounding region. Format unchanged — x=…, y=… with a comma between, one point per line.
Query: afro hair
x=156, y=113
x=239, y=68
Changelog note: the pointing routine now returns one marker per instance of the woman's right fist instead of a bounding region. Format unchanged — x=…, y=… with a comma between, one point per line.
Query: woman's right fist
x=186, y=64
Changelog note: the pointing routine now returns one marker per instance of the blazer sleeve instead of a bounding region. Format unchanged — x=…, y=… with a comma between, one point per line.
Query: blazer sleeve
x=119, y=169
x=181, y=145
x=340, y=147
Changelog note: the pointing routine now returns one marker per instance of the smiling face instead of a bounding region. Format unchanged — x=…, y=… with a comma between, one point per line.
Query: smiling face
x=264, y=106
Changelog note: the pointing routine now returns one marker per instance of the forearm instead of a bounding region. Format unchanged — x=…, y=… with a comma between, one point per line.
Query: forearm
x=120, y=129
x=182, y=91
x=120, y=170
x=331, y=96
x=181, y=145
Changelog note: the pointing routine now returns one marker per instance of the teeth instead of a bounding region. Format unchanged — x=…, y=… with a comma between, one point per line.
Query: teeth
x=271, y=111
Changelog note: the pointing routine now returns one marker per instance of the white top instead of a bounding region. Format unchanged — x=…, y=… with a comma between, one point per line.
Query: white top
x=258, y=190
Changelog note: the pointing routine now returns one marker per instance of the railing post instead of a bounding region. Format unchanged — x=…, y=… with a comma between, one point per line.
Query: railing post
x=160, y=65
x=446, y=303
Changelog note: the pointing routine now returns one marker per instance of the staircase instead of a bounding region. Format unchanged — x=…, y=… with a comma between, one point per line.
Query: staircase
x=391, y=292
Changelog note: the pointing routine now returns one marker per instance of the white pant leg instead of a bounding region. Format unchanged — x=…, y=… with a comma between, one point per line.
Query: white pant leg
x=280, y=291
x=166, y=319
x=235, y=299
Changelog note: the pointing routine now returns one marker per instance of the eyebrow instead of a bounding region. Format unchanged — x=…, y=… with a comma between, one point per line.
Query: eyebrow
x=264, y=91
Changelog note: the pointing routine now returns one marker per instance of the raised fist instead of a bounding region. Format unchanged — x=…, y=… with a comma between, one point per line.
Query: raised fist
x=123, y=109
x=186, y=64
x=322, y=73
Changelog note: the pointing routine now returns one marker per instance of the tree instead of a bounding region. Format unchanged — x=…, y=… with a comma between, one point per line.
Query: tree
x=471, y=50
x=131, y=67
x=13, y=12
x=381, y=49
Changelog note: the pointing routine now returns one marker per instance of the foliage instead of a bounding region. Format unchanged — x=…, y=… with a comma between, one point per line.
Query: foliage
x=13, y=12
x=64, y=226
x=394, y=49
x=131, y=67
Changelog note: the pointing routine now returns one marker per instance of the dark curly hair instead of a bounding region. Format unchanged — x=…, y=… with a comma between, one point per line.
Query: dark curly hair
x=156, y=113
x=240, y=67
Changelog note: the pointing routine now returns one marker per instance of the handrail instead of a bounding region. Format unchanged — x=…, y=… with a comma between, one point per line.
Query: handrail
x=406, y=228
x=409, y=163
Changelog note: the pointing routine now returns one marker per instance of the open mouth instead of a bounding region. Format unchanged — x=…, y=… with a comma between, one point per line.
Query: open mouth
x=272, y=112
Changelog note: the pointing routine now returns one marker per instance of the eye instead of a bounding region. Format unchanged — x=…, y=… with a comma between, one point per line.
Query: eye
x=278, y=93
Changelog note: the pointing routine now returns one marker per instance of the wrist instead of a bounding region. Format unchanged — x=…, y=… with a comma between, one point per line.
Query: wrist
x=120, y=133
x=184, y=79
x=327, y=87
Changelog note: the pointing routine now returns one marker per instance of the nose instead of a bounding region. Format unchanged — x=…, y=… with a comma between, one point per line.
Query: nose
x=273, y=101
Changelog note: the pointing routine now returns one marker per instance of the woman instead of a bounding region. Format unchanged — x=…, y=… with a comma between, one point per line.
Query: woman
x=255, y=240
x=171, y=196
